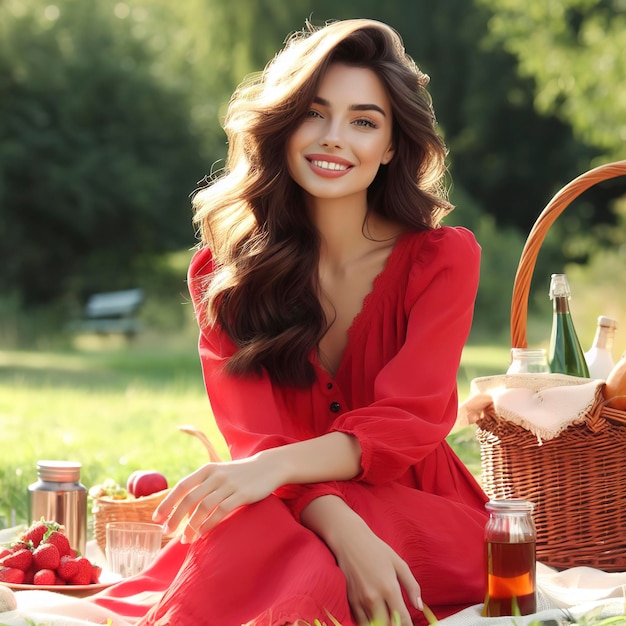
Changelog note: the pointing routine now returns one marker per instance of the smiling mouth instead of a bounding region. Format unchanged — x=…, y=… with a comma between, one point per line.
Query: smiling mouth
x=331, y=166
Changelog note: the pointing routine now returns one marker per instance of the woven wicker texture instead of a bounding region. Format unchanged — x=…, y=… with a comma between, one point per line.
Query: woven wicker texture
x=106, y=509
x=577, y=480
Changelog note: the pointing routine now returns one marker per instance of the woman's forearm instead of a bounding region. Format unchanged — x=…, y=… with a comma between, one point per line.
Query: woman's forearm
x=331, y=519
x=335, y=456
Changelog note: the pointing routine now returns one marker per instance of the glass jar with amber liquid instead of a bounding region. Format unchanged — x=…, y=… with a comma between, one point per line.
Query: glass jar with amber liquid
x=510, y=558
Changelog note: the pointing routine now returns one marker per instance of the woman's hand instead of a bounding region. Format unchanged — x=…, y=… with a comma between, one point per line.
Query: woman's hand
x=208, y=495
x=375, y=574
x=216, y=489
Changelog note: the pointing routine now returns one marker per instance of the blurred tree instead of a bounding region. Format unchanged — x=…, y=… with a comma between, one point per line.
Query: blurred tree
x=110, y=113
x=96, y=157
x=575, y=52
x=507, y=156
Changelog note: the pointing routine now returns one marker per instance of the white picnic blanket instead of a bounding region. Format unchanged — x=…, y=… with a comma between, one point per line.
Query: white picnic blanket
x=47, y=608
x=577, y=590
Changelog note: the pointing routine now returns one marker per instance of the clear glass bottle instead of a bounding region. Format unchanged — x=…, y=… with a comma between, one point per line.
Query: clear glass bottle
x=565, y=355
x=599, y=357
x=528, y=361
x=511, y=561
x=59, y=496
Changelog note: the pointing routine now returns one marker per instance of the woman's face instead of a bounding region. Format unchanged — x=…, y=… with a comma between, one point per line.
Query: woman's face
x=337, y=150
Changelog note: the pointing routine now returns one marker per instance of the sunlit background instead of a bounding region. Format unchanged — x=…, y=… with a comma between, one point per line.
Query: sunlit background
x=110, y=115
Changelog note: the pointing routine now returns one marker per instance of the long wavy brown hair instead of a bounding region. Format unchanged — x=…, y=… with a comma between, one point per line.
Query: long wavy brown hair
x=263, y=290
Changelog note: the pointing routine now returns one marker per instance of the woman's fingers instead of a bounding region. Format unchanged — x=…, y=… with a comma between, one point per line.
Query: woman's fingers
x=208, y=495
x=209, y=513
x=410, y=585
x=180, y=501
x=383, y=607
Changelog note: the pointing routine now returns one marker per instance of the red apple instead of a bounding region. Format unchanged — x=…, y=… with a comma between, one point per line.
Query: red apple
x=144, y=482
x=130, y=483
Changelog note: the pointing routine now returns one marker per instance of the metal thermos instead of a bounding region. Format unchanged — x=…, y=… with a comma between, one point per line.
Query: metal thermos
x=59, y=496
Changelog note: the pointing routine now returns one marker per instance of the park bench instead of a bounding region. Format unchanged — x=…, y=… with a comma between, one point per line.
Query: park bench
x=111, y=313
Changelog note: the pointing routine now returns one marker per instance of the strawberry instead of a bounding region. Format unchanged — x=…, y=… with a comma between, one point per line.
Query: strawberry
x=44, y=577
x=29, y=574
x=62, y=543
x=21, y=558
x=35, y=533
x=46, y=556
x=4, y=552
x=83, y=577
x=96, y=571
x=68, y=567
x=11, y=575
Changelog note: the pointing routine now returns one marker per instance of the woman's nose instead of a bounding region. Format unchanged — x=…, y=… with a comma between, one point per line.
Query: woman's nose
x=332, y=136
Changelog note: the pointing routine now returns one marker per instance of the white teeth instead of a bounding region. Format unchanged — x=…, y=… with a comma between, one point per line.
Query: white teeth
x=327, y=165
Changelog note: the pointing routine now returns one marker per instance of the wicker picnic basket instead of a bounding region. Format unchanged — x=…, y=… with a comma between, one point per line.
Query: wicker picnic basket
x=105, y=509
x=578, y=479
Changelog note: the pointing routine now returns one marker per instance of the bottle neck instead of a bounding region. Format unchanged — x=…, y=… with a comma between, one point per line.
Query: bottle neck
x=560, y=304
x=604, y=338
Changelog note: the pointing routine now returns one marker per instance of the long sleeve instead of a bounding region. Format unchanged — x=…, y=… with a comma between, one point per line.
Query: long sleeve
x=415, y=399
x=396, y=383
x=251, y=413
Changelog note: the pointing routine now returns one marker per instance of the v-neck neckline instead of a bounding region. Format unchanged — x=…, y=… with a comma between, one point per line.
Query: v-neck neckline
x=379, y=283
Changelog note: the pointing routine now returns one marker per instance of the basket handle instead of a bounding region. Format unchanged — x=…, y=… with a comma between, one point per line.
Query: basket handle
x=214, y=456
x=556, y=206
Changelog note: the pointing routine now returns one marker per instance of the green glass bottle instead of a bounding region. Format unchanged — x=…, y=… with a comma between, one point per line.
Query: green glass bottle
x=565, y=355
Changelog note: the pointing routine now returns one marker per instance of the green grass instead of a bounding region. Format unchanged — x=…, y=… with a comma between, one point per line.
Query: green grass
x=116, y=408
x=113, y=411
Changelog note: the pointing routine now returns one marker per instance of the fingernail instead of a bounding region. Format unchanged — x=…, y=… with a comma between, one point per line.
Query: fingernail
x=419, y=604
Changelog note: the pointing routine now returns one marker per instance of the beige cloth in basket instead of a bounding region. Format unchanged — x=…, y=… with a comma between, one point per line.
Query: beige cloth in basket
x=543, y=404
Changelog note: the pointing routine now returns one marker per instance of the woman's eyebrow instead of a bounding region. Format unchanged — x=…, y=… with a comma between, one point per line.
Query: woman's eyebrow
x=353, y=107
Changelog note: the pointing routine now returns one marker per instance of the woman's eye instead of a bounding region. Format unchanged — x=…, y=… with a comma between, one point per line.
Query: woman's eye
x=365, y=123
x=313, y=113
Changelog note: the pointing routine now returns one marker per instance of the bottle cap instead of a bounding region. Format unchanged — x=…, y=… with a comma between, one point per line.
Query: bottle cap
x=609, y=322
x=559, y=287
x=59, y=471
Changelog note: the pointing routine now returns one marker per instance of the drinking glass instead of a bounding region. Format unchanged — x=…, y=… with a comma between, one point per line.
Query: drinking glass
x=132, y=546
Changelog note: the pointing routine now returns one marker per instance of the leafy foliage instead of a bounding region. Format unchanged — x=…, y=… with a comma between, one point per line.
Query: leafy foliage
x=110, y=113
x=96, y=157
x=574, y=51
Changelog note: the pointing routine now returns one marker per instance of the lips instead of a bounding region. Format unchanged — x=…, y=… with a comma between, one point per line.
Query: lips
x=328, y=165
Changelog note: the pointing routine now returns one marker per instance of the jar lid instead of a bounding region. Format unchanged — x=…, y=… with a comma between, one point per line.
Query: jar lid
x=528, y=353
x=59, y=471
x=512, y=506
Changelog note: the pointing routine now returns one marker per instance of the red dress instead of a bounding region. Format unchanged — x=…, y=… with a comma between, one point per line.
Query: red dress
x=395, y=390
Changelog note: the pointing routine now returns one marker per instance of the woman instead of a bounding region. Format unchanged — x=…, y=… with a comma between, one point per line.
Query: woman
x=333, y=309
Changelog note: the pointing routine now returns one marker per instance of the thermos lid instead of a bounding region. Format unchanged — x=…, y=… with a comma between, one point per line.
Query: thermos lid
x=59, y=471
